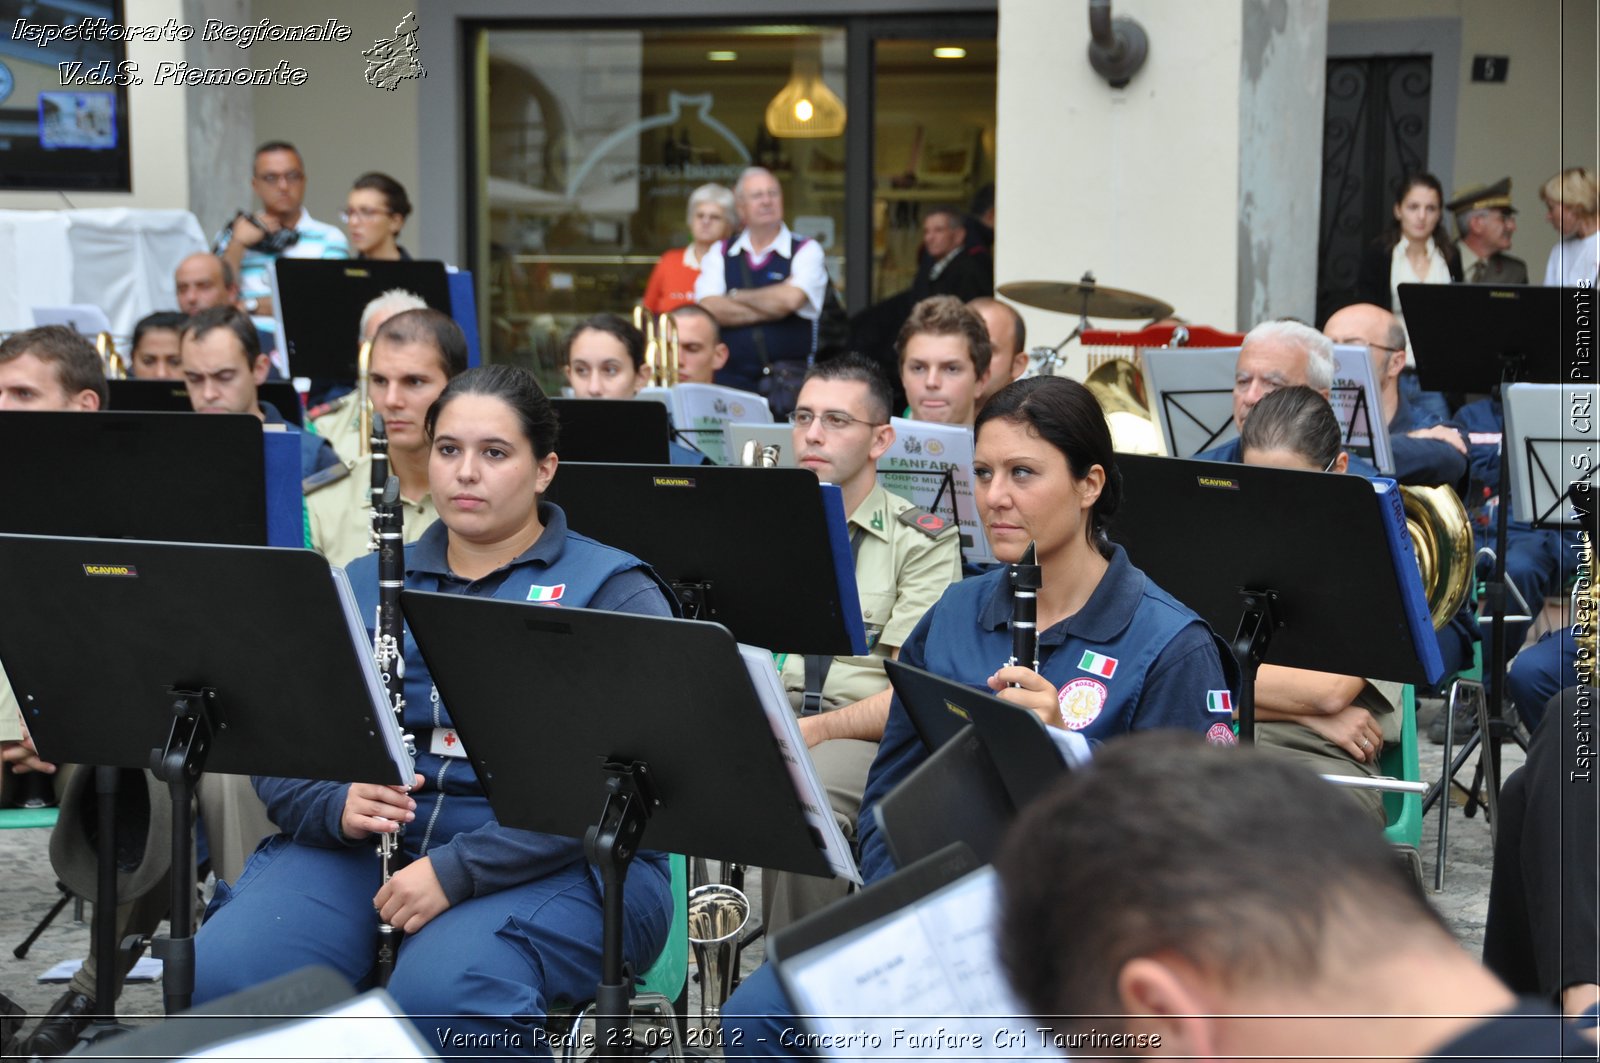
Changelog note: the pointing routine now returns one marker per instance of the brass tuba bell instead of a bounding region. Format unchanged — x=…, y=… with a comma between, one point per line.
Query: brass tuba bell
x=1442, y=540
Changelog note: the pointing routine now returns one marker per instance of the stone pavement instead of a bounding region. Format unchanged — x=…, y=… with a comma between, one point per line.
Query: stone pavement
x=27, y=889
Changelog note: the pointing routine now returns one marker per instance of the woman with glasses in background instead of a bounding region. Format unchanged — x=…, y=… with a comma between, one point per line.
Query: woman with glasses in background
x=374, y=213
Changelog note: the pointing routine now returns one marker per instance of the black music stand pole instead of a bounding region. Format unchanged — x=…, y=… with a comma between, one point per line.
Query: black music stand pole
x=681, y=739
x=1469, y=338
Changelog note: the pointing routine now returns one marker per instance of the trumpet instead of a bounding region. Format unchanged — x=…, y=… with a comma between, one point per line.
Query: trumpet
x=756, y=456
x=660, y=346
x=364, y=399
x=116, y=366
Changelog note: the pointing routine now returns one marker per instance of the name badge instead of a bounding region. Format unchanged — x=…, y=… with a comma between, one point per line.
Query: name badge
x=446, y=743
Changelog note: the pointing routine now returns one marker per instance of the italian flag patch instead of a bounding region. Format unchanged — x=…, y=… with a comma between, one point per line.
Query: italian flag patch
x=1097, y=664
x=537, y=593
x=1219, y=701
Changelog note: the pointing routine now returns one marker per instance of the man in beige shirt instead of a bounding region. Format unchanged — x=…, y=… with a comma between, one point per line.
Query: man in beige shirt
x=414, y=355
x=841, y=429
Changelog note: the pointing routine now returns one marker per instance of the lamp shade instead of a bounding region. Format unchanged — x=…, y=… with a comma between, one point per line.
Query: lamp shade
x=805, y=107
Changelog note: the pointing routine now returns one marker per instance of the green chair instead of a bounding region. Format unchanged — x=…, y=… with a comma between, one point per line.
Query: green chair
x=655, y=994
x=1403, y=810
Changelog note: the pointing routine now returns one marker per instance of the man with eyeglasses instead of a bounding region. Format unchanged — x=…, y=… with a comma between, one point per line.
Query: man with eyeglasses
x=1486, y=221
x=283, y=228
x=905, y=558
x=1426, y=451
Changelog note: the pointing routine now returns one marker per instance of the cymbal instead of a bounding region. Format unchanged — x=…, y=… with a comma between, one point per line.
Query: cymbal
x=1085, y=298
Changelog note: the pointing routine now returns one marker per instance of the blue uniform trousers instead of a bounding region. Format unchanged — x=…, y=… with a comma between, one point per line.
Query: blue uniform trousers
x=754, y=1017
x=1542, y=671
x=487, y=969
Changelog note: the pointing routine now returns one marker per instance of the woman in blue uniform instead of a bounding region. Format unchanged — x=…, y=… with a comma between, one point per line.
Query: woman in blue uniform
x=1116, y=653
x=500, y=924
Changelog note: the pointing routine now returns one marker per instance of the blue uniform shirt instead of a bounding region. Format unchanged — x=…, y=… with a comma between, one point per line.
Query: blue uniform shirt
x=1423, y=461
x=1134, y=658
x=316, y=453
x=472, y=854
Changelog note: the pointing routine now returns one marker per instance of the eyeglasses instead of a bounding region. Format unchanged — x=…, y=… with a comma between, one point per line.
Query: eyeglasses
x=293, y=177
x=832, y=420
x=364, y=213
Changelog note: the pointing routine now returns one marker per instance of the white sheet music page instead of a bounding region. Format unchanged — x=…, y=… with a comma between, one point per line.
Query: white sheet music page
x=925, y=982
x=370, y=1027
x=703, y=412
x=786, y=731
x=922, y=449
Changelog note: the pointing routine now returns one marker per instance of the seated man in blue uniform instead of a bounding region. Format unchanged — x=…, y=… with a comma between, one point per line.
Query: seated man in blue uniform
x=1116, y=652
x=604, y=359
x=1426, y=451
x=500, y=924
x=223, y=366
x=1279, y=354
x=1135, y=907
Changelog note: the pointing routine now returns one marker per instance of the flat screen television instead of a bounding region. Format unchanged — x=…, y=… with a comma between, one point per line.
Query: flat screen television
x=63, y=112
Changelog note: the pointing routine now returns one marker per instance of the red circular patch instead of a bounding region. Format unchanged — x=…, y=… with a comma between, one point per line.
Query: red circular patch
x=930, y=521
x=1221, y=734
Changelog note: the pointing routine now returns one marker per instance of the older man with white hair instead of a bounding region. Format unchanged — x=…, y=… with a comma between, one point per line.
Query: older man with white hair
x=1279, y=354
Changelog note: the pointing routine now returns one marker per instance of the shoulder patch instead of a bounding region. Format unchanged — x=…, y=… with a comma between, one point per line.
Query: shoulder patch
x=322, y=409
x=927, y=522
x=322, y=478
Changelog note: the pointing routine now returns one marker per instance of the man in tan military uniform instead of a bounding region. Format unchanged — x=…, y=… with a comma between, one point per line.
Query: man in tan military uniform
x=905, y=557
x=339, y=421
x=414, y=355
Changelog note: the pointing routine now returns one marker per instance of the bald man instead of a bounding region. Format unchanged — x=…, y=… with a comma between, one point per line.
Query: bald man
x=1008, y=343
x=1427, y=451
x=203, y=280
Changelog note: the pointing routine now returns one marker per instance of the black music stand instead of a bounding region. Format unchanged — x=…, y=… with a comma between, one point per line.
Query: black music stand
x=558, y=733
x=626, y=431
x=239, y=652
x=133, y=475
x=1478, y=338
x=1298, y=561
x=171, y=396
x=733, y=543
x=318, y=304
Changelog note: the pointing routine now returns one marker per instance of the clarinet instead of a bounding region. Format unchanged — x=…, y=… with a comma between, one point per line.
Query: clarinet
x=388, y=649
x=1024, y=578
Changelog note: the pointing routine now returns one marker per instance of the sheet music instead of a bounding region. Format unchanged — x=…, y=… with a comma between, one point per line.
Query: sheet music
x=924, y=981
x=393, y=743
x=924, y=447
x=792, y=748
x=1551, y=445
x=1356, y=403
x=703, y=412
x=369, y=1027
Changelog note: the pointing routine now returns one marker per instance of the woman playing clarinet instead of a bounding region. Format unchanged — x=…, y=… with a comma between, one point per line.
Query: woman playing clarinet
x=499, y=924
x=1115, y=652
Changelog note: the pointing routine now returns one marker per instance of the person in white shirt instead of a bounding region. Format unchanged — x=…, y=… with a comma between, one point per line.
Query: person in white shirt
x=1572, y=205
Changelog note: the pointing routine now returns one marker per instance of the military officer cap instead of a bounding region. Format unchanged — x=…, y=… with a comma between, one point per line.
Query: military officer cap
x=1484, y=197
